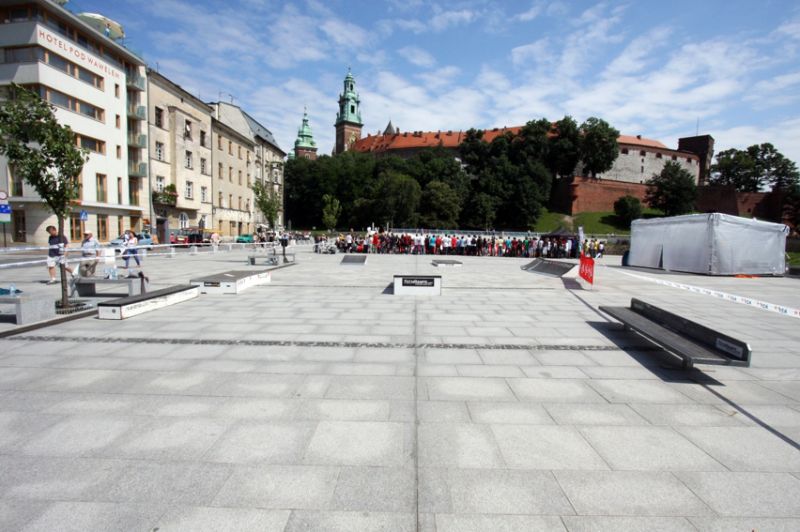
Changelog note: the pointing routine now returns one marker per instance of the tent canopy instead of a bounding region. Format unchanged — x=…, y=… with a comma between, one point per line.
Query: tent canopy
x=711, y=244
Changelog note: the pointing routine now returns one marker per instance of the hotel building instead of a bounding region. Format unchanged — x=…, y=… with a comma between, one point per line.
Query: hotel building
x=98, y=88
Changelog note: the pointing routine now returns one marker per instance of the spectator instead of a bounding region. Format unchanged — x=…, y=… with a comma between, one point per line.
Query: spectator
x=56, y=253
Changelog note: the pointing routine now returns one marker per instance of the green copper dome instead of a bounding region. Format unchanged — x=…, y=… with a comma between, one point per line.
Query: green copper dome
x=305, y=139
x=349, y=103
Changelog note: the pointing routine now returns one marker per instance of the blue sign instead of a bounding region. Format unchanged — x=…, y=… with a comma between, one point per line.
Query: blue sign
x=84, y=216
x=5, y=208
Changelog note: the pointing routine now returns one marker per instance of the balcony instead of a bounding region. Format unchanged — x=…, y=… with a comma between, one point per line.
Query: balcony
x=135, y=81
x=137, y=140
x=137, y=169
x=165, y=198
x=138, y=112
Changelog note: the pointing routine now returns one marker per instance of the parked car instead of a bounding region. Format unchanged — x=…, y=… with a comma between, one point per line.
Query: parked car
x=245, y=239
x=145, y=240
x=187, y=237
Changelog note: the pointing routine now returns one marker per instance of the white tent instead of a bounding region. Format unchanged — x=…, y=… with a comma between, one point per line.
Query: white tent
x=711, y=244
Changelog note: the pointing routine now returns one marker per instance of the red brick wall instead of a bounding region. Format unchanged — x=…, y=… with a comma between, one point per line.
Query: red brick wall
x=592, y=195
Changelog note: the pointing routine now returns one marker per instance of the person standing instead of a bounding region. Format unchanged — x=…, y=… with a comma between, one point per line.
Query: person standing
x=131, y=249
x=56, y=253
x=89, y=250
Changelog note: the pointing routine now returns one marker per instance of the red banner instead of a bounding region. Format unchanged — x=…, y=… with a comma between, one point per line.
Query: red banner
x=587, y=269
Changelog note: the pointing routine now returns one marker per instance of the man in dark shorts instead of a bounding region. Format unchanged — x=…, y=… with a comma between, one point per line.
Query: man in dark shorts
x=57, y=253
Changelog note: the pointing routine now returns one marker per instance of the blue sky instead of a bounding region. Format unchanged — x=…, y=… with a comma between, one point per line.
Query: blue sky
x=649, y=68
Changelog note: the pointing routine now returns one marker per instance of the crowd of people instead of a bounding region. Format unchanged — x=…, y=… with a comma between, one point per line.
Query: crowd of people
x=528, y=246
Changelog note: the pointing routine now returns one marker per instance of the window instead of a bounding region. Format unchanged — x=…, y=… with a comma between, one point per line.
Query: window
x=642, y=169
x=230, y=148
x=75, y=227
x=219, y=143
x=133, y=191
x=160, y=151
x=658, y=156
x=674, y=157
x=202, y=165
x=119, y=191
x=187, y=130
x=248, y=180
x=221, y=171
x=73, y=104
x=118, y=122
x=16, y=183
x=219, y=199
x=183, y=220
x=230, y=201
x=160, y=183
x=230, y=174
x=624, y=151
x=239, y=150
x=240, y=177
x=159, y=117
x=102, y=227
x=642, y=153
x=25, y=54
x=352, y=108
x=240, y=203
x=189, y=190
x=204, y=194
x=116, y=90
x=119, y=151
x=188, y=159
x=247, y=205
x=120, y=225
x=202, y=138
x=102, y=191
x=689, y=160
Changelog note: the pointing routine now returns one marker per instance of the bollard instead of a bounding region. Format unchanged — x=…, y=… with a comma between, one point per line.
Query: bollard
x=172, y=253
x=144, y=253
x=193, y=250
x=230, y=247
x=214, y=248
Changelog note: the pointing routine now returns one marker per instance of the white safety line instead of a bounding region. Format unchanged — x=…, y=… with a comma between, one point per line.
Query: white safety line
x=763, y=305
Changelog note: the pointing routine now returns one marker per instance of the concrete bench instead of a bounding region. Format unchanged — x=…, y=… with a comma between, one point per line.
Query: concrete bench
x=87, y=286
x=417, y=285
x=270, y=259
x=126, y=307
x=30, y=309
x=231, y=282
x=692, y=342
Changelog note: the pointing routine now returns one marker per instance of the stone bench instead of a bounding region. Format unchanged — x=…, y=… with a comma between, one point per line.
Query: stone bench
x=417, y=285
x=231, y=282
x=126, y=307
x=30, y=309
x=270, y=259
x=87, y=286
x=692, y=342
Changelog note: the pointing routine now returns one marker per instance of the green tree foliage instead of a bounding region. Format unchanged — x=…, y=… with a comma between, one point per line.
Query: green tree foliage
x=441, y=206
x=565, y=147
x=397, y=199
x=673, y=190
x=754, y=169
x=43, y=153
x=331, y=210
x=628, y=208
x=267, y=201
x=599, y=148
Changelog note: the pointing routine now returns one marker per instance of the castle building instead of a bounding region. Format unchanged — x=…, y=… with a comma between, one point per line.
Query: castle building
x=305, y=146
x=348, y=119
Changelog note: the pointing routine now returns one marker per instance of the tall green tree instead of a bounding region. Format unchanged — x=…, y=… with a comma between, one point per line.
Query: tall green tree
x=331, y=210
x=397, y=198
x=565, y=147
x=44, y=153
x=755, y=169
x=599, y=147
x=267, y=201
x=440, y=206
x=673, y=191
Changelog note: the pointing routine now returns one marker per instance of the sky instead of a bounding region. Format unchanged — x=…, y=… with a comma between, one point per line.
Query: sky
x=663, y=70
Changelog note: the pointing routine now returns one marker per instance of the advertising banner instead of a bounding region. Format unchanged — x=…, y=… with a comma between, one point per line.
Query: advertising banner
x=586, y=270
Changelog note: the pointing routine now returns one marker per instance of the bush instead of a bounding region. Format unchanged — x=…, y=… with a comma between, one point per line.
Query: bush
x=628, y=208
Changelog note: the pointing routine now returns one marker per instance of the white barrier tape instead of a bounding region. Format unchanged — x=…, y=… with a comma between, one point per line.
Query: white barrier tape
x=763, y=305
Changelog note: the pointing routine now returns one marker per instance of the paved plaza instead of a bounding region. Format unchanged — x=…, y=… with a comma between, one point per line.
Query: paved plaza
x=323, y=402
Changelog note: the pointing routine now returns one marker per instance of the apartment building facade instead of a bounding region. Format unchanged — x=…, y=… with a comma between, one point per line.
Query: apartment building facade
x=180, y=147
x=98, y=88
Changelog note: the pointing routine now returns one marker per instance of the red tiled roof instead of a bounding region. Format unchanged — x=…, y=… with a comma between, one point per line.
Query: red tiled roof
x=452, y=139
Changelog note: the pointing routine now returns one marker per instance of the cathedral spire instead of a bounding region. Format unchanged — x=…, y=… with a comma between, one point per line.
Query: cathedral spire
x=348, y=119
x=305, y=146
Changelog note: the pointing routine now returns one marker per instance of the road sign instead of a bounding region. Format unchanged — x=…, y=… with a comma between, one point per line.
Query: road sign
x=5, y=208
x=84, y=216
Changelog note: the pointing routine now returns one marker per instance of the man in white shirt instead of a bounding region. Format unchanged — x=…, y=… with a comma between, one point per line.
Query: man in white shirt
x=89, y=250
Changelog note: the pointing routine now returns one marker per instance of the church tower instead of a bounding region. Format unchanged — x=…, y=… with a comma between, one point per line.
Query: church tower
x=305, y=146
x=348, y=119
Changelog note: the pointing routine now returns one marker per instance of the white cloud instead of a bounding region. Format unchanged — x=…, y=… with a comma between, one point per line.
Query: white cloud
x=534, y=11
x=417, y=56
x=535, y=52
x=783, y=135
x=439, y=78
x=446, y=19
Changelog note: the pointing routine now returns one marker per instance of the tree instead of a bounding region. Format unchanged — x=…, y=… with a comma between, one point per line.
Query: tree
x=673, y=190
x=267, y=201
x=440, y=206
x=44, y=153
x=397, y=199
x=599, y=148
x=754, y=169
x=628, y=208
x=565, y=147
x=331, y=210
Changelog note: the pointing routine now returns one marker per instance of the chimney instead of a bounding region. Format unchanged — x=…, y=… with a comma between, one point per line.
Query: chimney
x=639, y=137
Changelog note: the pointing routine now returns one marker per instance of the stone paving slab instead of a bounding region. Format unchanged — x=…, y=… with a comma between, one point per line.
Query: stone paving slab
x=319, y=403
